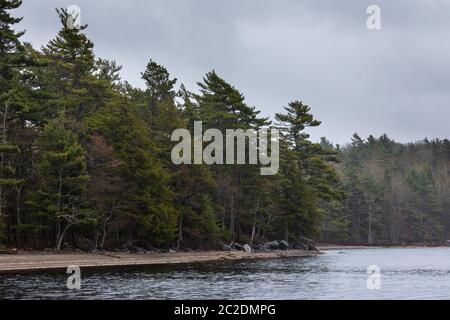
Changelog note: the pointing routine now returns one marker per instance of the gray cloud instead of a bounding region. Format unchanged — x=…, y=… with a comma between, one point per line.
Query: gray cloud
x=392, y=81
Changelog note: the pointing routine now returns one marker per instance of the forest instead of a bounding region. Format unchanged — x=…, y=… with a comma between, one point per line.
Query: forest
x=86, y=157
x=396, y=193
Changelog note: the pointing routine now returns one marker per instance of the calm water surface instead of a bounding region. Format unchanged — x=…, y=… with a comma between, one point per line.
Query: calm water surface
x=413, y=273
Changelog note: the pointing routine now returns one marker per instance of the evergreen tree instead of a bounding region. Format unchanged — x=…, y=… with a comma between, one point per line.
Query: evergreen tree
x=307, y=177
x=12, y=62
x=159, y=89
x=149, y=214
x=60, y=195
x=221, y=106
x=69, y=72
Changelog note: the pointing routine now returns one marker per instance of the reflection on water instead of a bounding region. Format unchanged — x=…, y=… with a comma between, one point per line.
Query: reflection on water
x=415, y=273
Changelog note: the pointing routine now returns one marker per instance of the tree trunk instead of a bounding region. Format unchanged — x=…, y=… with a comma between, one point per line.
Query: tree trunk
x=61, y=237
x=253, y=232
x=2, y=156
x=370, y=240
x=254, y=221
x=102, y=242
x=97, y=235
x=180, y=231
x=18, y=209
x=232, y=215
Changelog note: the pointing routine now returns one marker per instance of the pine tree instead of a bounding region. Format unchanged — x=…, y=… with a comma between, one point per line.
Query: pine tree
x=308, y=177
x=192, y=186
x=148, y=211
x=221, y=106
x=158, y=82
x=60, y=195
x=12, y=61
x=70, y=73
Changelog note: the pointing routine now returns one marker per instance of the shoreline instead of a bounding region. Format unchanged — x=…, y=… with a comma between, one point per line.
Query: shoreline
x=31, y=261
x=26, y=262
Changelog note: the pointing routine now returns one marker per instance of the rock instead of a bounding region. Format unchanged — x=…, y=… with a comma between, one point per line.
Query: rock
x=305, y=244
x=237, y=246
x=226, y=247
x=138, y=250
x=283, y=245
x=259, y=248
x=300, y=246
x=247, y=248
x=273, y=245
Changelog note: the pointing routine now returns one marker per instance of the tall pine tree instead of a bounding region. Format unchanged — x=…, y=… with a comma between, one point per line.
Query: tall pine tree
x=12, y=62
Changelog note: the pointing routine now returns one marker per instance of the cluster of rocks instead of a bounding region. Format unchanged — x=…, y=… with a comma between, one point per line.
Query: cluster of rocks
x=141, y=250
x=302, y=244
x=87, y=245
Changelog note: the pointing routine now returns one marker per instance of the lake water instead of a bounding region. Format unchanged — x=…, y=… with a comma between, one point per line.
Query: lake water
x=413, y=273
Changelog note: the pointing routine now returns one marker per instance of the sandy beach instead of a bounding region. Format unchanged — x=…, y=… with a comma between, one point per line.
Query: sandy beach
x=42, y=261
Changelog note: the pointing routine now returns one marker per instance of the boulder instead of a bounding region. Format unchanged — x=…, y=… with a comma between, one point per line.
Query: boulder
x=237, y=246
x=273, y=245
x=226, y=247
x=260, y=248
x=138, y=250
x=305, y=244
x=300, y=246
x=283, y=245
x=247, y=248
x=257, y=247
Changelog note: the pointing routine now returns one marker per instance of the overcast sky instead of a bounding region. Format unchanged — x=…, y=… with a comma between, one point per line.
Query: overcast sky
x=395, y=80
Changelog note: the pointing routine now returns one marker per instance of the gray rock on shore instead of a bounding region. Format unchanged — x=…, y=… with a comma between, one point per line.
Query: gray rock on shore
x=237, y=246
x=138, y=250
x=226, y=247
x=273, y=245
x=283, y=245
x=305, y=244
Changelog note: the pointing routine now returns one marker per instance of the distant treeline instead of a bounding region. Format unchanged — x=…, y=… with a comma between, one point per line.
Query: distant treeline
x=396, y=193
x=85, y=156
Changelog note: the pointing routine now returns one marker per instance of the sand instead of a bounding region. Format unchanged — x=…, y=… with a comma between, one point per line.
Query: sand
x=43, y=261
